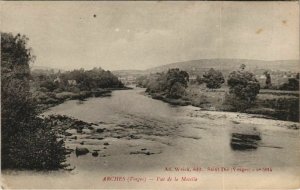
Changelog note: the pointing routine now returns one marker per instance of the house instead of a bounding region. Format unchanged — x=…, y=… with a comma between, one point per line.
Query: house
x=72, y=82
x=262, y=77
x=193, y=78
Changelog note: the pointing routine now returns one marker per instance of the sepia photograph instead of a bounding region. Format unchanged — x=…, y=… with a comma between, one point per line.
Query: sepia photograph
x=150, y=95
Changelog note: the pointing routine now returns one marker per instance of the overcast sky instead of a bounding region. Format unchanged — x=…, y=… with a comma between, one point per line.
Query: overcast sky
x=140, y=35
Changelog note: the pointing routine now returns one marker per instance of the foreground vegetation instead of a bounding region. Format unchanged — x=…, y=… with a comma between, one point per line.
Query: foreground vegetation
x=28, y=141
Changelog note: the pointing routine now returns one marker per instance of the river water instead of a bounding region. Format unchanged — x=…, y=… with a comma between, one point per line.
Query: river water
x=146, y=135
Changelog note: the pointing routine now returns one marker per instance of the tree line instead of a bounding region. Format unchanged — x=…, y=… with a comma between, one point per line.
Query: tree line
x=243, y=85
x=76, y=80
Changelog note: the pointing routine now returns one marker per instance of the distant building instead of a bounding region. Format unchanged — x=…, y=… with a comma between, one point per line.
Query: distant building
x=57, y=79
x=193, y=77
x=127, y=80
x=72, y=82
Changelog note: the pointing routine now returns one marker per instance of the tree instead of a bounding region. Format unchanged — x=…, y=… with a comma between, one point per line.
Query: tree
x=49, y=85
x=177, y=80
x=243, y=85
x=268, y=79
x=176, y=75
x=26, y=141
x=17, y=105
x=177, y=91
x=172, y=84
x=213, y=79
x=292, y=84
x=91, y=79
x=242, y=67
x=200, y=80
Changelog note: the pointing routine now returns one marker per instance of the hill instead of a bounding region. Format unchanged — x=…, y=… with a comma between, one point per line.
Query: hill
x=122, y=73
x=227, y=65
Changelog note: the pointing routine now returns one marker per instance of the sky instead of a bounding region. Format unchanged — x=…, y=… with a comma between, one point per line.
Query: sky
x=141, y=35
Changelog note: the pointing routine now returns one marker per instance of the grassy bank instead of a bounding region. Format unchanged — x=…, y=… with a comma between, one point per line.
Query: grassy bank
x=282, y=105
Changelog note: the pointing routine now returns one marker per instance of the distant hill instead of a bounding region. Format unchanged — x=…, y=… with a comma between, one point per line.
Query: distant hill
x=228, y=65
x=121, y=73
x=44, y=69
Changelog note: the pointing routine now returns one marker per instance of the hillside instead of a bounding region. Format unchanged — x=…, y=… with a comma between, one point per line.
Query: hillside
x=227, y=65
x=122, y=73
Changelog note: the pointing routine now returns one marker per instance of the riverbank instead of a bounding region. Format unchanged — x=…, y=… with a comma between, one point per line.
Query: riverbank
x=45, y=100
x=269, y=104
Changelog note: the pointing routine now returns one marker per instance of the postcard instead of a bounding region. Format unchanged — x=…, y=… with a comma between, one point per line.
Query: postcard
x=150, y=95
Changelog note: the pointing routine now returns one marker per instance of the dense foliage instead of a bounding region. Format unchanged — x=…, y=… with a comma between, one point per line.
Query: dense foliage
x=92, y=79
x=172, y=84
x=243, y=85
x=213, y=79
x=26, y=141
x=77, y=80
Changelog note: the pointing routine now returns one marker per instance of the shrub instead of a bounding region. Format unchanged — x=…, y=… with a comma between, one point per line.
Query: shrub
x=34, y=147
x=49, y=85
x=285, y=108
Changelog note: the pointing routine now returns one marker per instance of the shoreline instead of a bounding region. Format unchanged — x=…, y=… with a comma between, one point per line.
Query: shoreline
x=257, y=113
x=54, y=99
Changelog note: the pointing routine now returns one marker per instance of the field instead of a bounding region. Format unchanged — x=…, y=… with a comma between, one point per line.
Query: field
x=283, y=105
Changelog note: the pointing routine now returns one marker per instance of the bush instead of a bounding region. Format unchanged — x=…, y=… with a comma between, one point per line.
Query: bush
x=233, y=103
x=35, y=147
x=213, y=79
x=285, y=108
x=243, y=85
x=49, y=85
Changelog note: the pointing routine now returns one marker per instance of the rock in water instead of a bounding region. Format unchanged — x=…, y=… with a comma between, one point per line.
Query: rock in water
x=81, y=151
x=245, y=137
x=244, y=141
x=95, y=154
x=99, y=130
x=90, y=128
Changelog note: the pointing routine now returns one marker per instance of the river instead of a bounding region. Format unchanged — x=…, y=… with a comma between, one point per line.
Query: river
x=146, y=136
